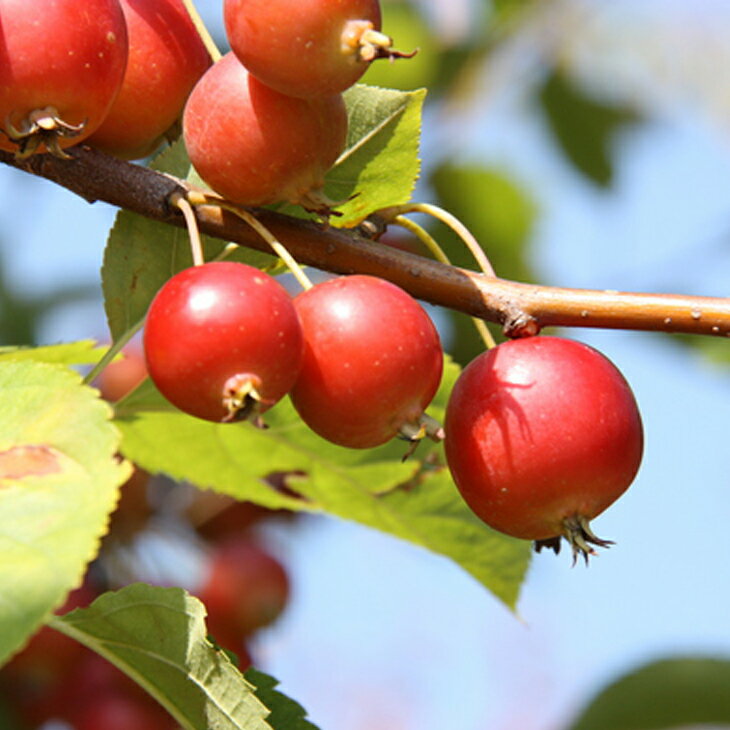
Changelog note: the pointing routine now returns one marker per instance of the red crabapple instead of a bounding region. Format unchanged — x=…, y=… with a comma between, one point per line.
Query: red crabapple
x=222, y=341
x=542, y=435
x=245, y=589
x=63, y=64
x=306, y=48
x=256, y=146
x=166, y=58
x=372, y=361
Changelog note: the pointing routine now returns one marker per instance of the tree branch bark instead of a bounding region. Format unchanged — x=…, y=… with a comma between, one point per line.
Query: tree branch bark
x=522, y=309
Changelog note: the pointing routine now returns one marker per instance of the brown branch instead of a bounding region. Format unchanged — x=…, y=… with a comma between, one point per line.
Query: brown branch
x=521, y=308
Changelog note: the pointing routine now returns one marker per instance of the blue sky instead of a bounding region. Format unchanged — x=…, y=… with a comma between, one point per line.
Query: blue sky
x=382, y=634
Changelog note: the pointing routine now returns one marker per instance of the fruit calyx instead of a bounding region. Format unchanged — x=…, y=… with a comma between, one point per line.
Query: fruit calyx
x=242, y=400
x=42, y=126
x=577, y=531
x=360, y=37
x=415, y=431
x=316, y=201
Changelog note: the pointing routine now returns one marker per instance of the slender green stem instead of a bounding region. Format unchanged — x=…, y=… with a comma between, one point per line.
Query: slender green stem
x=449, y=220
x=206, y=37
x=228, y=250
x=112, y=352
x=423, y=236
x=440, y=255
x=200, y=198
x=196, y=245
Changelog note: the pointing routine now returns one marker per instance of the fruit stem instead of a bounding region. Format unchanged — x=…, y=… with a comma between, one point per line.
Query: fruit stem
x=448, y=219
x=360, y=36
x=200, y=198
x=205, y=36
x=196, y=246
x=423, y=236
x=440, y=255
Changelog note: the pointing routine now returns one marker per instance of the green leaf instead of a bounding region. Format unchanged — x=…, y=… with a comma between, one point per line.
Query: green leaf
x=157, y=636
x=380, y=164
x=431, y=513
x=583, y=126
x=666, y=694
x=286, y=714
x=59, y=480
x=173, y=160
x=373, y=487
x=84, y=352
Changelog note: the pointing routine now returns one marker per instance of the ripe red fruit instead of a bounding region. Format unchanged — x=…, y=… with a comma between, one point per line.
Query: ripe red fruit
x=372, y=361
x=217, y=516
x=166, y=58
x=122, y=376
x=222, y=341
x=98, y=695
x=117, y=711
x=246, y=588
x=542, y=435
x=256, y=146
x=36, y=678
x=306, y=48
x=62, y=67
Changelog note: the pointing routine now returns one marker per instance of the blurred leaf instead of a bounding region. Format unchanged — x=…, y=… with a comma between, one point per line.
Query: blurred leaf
x=715, y=349
x=410, y=32
x=380, y=164
x=158, y=637
x=666, y=694
x=497, y=210
x=365, y=486
x=584, y=127
x=20, y=311
x=506, y=7
x=83, y=352
x=59, y=480
x=286, y=714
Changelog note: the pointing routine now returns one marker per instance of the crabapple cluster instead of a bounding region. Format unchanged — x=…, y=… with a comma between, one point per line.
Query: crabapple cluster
x=112, y=73
x=268, y=120
x=541, y=434
x=359, y=356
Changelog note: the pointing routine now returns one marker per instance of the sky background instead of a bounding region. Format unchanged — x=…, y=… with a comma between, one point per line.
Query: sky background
x=381, y=635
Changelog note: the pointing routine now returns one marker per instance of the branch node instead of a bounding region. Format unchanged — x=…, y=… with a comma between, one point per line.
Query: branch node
x=520, y=324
